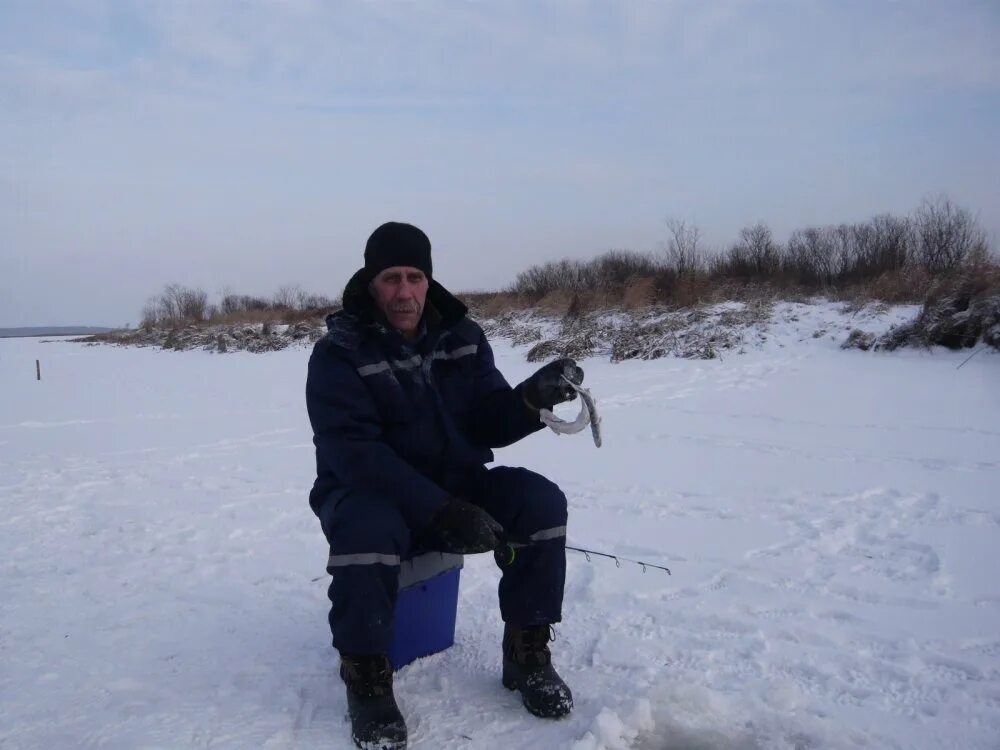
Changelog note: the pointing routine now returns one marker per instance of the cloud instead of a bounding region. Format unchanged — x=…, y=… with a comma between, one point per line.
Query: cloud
x=25, y=82
x=217, y=129
x=283, y=53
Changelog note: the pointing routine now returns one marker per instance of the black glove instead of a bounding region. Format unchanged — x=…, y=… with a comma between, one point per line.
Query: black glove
x=546, y=388
x=461, y=528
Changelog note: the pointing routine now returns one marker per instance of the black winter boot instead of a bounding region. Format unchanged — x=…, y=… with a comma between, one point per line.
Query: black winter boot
x=376, y=723
x=527, y=666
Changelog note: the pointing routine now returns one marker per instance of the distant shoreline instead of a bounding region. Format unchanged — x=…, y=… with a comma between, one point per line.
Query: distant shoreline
x=39, y=331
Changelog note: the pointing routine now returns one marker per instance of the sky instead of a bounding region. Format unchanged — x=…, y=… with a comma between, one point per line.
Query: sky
x=255, y=144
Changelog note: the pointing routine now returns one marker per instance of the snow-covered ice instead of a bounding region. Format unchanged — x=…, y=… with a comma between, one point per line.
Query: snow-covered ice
x=831, y=518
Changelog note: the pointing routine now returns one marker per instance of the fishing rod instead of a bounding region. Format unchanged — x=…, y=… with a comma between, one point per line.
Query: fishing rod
x=618, y=559
x=507, y=552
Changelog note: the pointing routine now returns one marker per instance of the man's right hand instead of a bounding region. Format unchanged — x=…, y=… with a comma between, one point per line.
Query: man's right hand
x=461, y=528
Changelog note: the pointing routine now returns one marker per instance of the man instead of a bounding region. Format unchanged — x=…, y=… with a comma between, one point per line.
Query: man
x=406, y=403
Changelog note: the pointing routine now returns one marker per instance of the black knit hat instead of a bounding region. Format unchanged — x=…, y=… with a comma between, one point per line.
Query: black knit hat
x=397, y=244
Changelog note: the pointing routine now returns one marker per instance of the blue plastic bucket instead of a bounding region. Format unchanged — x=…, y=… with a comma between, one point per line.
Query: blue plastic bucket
x=426, y=608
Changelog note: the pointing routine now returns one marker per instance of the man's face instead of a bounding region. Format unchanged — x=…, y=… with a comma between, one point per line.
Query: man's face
x=400, y=292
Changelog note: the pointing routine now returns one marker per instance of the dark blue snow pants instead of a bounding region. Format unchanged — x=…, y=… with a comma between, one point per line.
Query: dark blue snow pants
x=368, y=539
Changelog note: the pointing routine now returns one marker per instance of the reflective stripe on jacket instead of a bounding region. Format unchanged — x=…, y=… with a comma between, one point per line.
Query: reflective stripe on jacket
x=407, y=419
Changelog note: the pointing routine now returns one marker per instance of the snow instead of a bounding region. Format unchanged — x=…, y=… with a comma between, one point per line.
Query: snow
x=831, y=519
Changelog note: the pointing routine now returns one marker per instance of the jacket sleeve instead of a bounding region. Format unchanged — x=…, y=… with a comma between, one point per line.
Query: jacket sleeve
x=500, y=415
x=347, y=432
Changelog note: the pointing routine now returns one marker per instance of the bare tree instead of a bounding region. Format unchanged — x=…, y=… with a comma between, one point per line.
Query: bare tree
x=848, y=252
x=615, y=269
x=811, y=255
x=255, y=303
x=539, y=280
x=893, y=241
x=288, y=297
x=762, y=252
x=611, y=272
x=230, y=304
x=755, y=255
x=174, y=304
x=683, y=252
x=150, y=314
x=947, y=236
x=844, y=249
x=194, y=304
x=170, y=302
x=315, y=302
x=863, y=247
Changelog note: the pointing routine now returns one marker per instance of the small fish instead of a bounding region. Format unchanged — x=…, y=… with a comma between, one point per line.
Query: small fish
x=588, y=415
x=595, y=418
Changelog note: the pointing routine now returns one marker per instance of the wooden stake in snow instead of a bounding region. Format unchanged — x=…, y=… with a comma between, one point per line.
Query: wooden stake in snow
x=38, y=369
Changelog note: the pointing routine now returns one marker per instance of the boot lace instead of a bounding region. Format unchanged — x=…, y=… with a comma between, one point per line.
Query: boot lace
x=367, y=676
x=531, y=645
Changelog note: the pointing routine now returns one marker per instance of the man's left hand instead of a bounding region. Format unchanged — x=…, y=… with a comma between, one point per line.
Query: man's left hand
x=546, y=388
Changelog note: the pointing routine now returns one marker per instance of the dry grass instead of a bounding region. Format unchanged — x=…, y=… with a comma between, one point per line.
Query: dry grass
x=894, y=287
x=680, y=291
x=957, y=313
x=665, y=290
x=494, y=304
x=286, y=316
x=269, y=317
x=639, y=294
x=556, y=303
x=982, y=280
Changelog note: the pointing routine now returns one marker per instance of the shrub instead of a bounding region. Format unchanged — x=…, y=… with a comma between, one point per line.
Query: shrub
x=755, y=256
x=947, y=236
x=610, y=272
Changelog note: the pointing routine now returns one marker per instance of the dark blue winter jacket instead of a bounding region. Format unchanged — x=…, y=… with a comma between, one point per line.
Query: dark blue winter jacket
x=409, y=420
